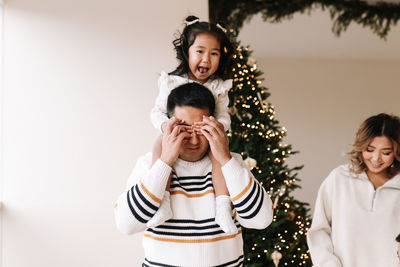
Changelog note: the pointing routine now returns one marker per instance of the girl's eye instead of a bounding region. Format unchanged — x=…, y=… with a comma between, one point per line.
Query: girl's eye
x=369, y=150
x=387, y=153
x=199, y=51
x=215, y=54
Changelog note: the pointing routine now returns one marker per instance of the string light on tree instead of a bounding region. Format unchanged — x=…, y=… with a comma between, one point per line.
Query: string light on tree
x=256, y=135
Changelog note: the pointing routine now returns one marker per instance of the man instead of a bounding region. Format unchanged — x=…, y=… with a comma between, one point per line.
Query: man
x=191, y=237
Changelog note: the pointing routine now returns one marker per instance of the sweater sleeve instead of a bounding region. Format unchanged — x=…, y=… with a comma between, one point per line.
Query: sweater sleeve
x=220, y=91
x=319, y=235
x=251, y=202
x=158, y=114
x=142, y=198
x=221, y=110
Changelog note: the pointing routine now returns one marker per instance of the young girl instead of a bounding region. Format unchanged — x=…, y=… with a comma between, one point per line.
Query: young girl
x=204, y=53
x=357, y=212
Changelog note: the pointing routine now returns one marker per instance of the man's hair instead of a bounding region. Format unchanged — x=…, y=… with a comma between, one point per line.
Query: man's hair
x=190, y=94
x=398, y=238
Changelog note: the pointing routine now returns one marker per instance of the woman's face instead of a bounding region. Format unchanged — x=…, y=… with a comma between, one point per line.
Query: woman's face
x=379, y=155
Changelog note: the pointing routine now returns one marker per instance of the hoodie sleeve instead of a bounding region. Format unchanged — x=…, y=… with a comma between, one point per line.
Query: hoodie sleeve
x=319, y=235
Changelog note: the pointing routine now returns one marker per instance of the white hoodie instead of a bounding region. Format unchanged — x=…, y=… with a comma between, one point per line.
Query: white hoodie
x=355, y=225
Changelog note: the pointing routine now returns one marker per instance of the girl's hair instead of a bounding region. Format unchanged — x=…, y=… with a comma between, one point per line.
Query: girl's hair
x=188, y=36
x=375, y=126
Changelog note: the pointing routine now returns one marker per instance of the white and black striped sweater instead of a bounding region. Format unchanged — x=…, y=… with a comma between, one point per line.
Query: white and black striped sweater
x=191, y=237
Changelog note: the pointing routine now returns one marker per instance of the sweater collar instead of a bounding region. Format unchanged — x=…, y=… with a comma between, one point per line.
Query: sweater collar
x=393, y=182
x=204, y=161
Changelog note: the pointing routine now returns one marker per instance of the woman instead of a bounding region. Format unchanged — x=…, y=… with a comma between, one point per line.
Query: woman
x=398, y=248
x=357, y=211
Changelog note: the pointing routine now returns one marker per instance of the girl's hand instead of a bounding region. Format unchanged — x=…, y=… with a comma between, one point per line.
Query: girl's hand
x=172, y=140
x=196, y=127
x=213, y=130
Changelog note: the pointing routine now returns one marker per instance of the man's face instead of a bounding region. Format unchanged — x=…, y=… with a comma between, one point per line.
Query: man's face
x=196, y=146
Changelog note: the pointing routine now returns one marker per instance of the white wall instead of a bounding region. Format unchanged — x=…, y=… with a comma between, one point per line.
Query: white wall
x=322, y=103
x=79, y=83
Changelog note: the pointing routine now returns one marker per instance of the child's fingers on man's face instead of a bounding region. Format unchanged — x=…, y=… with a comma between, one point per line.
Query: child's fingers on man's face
x=188, y=128
x=197, y=126
x=198, y=131
x=198, y=123
x=211, y=121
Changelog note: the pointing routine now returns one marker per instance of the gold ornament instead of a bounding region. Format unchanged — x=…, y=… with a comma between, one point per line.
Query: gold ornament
x=276, y=256
x=291, y=215
x=251, y=61
x=232, y=110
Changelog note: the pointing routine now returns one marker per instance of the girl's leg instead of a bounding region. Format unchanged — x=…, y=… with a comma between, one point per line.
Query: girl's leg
x=164, y=212
x=218, y=179
x=156, y=154
x=223, y=205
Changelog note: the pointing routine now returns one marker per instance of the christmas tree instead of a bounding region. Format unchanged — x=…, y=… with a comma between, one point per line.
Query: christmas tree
x=255, y=134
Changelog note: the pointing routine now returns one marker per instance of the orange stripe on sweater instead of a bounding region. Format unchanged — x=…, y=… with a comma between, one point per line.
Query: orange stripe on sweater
x=176, y=192
x=156, y=199
x=208, y=240
x=244, y=191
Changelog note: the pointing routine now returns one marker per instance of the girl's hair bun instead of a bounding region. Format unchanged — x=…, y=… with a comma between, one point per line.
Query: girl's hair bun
x=191, y=19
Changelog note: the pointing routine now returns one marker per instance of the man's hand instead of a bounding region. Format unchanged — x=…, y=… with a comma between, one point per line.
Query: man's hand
x=173, y=136
x=214, y=131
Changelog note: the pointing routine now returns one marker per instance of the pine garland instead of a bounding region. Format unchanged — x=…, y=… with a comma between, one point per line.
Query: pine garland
x=379, y=17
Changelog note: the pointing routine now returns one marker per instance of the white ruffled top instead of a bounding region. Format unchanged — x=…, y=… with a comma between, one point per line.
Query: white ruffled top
x=218, y=87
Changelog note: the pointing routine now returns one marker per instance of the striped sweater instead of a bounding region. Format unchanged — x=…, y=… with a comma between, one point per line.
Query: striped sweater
x=191, y=237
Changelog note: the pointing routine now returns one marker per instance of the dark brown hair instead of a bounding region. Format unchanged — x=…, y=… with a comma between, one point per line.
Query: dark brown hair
x=193, y=28
x=190, y=95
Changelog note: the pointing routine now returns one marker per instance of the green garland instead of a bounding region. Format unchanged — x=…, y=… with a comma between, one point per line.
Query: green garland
x=379, y=17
